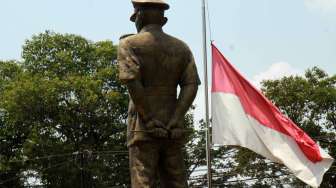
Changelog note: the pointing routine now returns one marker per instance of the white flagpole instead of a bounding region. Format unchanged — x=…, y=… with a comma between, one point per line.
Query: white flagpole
x=207, y=121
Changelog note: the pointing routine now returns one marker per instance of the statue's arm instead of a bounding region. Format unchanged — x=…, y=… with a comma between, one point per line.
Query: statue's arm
x=189, y=86
x=137, y=93
x=185, y=100
x=129, y=74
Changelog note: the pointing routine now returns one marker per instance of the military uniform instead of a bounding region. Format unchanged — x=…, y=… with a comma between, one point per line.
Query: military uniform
x=163, y=63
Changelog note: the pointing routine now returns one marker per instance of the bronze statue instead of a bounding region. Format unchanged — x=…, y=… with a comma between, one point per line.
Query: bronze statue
x=153, y=64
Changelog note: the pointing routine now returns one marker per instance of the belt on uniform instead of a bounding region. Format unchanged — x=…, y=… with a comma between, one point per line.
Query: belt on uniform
x=160, y=91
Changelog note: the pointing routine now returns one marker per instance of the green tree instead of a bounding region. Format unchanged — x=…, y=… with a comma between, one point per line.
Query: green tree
x=10, y=142
x=69, y=105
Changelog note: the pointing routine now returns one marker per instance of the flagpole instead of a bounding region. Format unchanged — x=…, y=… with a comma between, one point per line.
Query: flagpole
x=207, y=120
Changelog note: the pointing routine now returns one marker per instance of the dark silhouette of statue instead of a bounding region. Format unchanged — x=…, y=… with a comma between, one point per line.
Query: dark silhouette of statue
x=152, y=64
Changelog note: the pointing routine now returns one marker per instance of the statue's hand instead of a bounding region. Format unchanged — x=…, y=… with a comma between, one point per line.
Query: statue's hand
x=157, y=129
x=177, y=133
x=173, y=123
x=175, y=130
x=159, y=133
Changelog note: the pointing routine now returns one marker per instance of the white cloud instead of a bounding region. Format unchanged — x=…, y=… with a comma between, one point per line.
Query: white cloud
x=323, y=5
x=275, y=71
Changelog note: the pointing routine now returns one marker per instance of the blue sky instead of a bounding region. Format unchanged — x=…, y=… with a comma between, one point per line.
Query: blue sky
x=262, y=38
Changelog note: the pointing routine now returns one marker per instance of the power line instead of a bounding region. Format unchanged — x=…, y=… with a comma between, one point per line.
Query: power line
x=77, y=153
x=43, y=170
x=44, y=157
x=49, y=157
x=249, y=179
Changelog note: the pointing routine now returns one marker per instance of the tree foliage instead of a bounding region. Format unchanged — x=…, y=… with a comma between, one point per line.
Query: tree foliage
x=10, y=144
x=67, y=104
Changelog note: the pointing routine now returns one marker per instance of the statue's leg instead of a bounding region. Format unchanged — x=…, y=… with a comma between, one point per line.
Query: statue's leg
x=144, y=158
x=172, y=171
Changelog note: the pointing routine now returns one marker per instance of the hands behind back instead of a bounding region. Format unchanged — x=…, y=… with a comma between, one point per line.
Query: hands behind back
x=157, y=129
x=176, y=132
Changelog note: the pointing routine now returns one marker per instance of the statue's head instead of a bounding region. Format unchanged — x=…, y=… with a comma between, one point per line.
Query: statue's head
x=149, y=12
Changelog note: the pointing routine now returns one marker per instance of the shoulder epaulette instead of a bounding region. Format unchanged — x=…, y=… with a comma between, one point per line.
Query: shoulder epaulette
x=125, y=36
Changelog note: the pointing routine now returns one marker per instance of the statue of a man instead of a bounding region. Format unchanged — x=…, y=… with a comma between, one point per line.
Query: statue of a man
x=152, y=65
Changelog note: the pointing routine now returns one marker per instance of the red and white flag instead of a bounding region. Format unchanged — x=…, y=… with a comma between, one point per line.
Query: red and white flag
x=243, y=116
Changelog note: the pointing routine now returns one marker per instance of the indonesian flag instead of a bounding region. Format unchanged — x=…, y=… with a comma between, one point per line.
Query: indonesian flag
x=243, y=116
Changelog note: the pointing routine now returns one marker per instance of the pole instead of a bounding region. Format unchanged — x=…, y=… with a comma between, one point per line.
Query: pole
x=81, y=170
x=207, y=121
